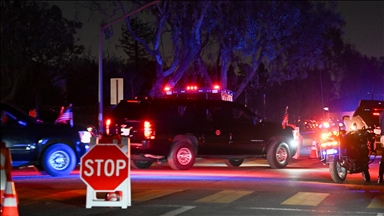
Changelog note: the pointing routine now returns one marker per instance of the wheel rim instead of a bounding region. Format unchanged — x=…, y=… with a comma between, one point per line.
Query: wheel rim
x=341, y=171
x=281, y=154
x=59, y=160
x=184, y=156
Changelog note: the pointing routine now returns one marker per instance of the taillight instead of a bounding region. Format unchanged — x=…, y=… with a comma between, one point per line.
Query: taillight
x=148, y=130
x=107, y=126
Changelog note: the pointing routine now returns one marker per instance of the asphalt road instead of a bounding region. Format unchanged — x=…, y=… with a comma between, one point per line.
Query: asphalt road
x=211, y=188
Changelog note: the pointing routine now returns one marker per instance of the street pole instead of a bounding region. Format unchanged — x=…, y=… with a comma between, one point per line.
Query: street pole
x=100, y=117
x=322, y=94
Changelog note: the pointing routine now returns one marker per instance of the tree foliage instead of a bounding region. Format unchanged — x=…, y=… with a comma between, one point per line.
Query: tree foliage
x=139, y=73
x=36, y=44
x=287, y=37
x=135, y=51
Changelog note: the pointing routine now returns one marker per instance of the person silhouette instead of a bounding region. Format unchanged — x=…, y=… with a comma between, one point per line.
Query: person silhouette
x=381, y=166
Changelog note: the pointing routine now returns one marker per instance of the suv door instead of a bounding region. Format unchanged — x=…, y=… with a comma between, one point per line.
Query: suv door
x=216, y=137
x=17, y=133
x=247, y=138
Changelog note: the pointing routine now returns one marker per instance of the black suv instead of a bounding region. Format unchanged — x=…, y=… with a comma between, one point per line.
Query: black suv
x=53, y=148
x=369, y=111
x=179, y=130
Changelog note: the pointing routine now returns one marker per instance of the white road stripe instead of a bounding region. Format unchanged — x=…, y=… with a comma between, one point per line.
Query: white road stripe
x=311, y=210
x=178, y=211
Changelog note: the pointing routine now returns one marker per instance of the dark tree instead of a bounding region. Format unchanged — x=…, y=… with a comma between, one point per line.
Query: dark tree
x=36, y=44
x=138, y=77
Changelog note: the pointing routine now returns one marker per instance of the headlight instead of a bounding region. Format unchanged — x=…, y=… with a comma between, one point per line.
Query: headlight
x=326, y=124
x=325, y=136
x=85, y=136
x=294, y=143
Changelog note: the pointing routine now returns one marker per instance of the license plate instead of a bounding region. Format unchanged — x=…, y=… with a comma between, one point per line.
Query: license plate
x=331, y=151
x=330, y=158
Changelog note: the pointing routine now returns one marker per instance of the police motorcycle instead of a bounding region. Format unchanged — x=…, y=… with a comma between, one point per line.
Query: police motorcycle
x=348, y=150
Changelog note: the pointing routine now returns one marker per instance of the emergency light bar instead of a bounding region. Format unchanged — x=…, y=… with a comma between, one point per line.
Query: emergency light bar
x=194, y=92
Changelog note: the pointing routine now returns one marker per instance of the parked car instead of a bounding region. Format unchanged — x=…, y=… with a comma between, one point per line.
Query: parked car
x=178, y=130
x=53, y=148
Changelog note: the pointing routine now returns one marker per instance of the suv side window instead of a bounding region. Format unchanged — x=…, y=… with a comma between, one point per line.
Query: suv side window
x=220, y=115
x=241, y=117
x=178, y=117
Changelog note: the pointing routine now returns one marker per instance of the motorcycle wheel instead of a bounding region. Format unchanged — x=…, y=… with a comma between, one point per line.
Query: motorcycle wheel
x=338, y=173
x=366, y=175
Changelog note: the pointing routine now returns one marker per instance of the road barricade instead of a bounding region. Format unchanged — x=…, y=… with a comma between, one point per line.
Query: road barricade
x=9, y=199
x=3, y=174
x=105, y=169
x=313, y=154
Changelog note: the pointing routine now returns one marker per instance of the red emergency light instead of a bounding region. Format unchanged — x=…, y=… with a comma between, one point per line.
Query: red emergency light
x=191, y=87
x=195, y=92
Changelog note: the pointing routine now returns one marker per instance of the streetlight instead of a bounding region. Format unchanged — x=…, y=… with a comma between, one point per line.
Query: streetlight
x=326, y=109
x=100, y=117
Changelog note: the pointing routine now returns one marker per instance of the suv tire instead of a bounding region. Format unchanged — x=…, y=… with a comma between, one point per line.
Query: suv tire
x=234, y=162
x=182, y=156
x=138, y=164
x=58, y=160
x=278, y=154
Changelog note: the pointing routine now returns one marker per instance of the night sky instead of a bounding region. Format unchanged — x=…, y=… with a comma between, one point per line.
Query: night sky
x=364, y=27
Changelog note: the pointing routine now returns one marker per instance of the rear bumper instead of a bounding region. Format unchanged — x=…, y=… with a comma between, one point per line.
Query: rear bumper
x=150, y=148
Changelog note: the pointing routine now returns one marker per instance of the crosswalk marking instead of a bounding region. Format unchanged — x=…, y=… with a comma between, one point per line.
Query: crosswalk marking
x=151, y=194
x=377, y=202
x=225, y=196
x=306, y=198
x=178, y=211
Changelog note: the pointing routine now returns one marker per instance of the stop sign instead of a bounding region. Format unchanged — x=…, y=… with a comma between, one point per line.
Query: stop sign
x=104, y=167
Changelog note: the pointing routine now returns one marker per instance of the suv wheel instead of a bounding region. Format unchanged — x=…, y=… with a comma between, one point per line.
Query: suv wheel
x=58, y=160
x=234, y=162
x=278, y=154
x=182, y=156
x=137, y=164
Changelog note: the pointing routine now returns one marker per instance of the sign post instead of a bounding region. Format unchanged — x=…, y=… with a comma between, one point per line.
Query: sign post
x=106, y=168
